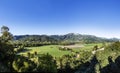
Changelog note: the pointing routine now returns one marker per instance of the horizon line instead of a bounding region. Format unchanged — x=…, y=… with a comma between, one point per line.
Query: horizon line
x=66, y=34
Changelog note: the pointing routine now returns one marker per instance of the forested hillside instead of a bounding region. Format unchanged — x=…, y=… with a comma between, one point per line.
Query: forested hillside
x=70, y=38
x=105, y=58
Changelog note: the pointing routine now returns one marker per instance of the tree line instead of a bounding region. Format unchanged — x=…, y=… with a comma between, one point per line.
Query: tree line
x=86, y=62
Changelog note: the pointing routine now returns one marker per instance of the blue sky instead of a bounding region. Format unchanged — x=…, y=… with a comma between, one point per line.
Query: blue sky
x=94, y=17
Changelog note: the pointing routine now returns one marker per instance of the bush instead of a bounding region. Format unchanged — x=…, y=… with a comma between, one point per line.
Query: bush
x=46, y=64
x=23, y=64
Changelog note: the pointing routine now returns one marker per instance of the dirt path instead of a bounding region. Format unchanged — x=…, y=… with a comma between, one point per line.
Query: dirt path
x=94, y=52
x=73, y=46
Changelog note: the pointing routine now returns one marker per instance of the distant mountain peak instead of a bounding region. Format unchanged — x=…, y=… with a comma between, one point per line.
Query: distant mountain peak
x=72, y=37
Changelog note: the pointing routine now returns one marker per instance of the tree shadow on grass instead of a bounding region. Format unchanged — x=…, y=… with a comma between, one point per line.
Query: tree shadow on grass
x=88, y=67
x=112, y=67
x=23, y=50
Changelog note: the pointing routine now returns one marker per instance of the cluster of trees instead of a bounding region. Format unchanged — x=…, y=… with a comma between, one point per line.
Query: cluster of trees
x=68, y=39
x=79, y=62
x=33, y=40
x=43, y=64
x=71, y=63
x=112, y=67
x=106, y=61
x=65, y=49
x=114, y=47
x=11, y=62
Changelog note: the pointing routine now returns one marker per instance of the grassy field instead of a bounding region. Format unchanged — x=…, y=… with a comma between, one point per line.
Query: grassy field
x=87, y=47
x=51, y=49
x=54, y=49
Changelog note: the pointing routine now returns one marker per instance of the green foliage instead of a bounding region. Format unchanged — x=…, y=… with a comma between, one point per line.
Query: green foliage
x=97, y=68
x=66, y=61
x=95, y=47
x=6, y=48
x=85, y=56
x=51, y=49
x=112, y=50
x=6, y=35
x=44, y=64
x=4, y=29
x=71, y=63
x=6, y=52
x=114, y=47
x=47, y=64
x=34, y=40
x=112, y=67
x=23, y=64
x=19, y=49
x=68, y=39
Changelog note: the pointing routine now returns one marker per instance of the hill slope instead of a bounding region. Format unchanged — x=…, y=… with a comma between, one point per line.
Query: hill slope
x=70, y=37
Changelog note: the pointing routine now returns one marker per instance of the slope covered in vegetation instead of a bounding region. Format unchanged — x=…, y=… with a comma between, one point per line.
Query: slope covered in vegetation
x=83, y=61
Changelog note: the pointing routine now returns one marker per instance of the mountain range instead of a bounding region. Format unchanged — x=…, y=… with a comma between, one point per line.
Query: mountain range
x=70, y=37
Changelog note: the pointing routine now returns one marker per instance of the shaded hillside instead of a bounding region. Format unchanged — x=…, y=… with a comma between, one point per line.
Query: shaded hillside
x=71, y=37
x=41, y=38
x=105, y=61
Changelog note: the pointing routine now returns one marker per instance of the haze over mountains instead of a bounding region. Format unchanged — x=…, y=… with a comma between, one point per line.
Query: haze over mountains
x=70, y=37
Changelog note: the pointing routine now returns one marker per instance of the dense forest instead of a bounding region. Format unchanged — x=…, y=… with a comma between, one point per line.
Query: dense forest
x=71, y=38
x=106, y=61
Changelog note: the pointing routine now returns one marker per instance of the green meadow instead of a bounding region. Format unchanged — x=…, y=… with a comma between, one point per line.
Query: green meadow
x=54, y=49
